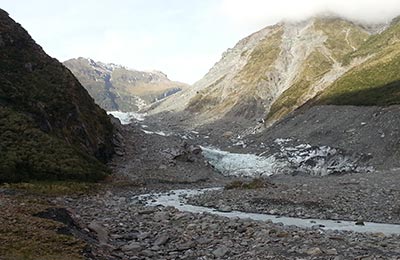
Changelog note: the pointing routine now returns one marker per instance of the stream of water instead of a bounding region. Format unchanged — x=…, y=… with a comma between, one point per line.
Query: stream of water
x=251, y=165
x=178, y=199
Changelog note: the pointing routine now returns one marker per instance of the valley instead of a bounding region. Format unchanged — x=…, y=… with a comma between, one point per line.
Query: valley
x=124, y=219
x=288, y=148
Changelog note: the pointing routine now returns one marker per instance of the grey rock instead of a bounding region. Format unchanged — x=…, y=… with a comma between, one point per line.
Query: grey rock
x=132, y=247
x=144, y=235
x=101, y=232
x=360, y=222
x=161, y=240
x=225, y=208
x=332, y=251
x=220, y=251
x=314, y=251
x=161, y=216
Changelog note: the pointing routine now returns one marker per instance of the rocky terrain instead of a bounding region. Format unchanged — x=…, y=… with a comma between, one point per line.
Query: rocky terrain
x=152, y=157
x=114, y=222
x=117, y=88
x=326, y=160
x=355, y=197
x=131, y=231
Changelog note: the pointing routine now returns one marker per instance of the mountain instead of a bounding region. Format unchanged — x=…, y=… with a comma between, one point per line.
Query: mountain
x=376, y=81
x=115, y=87
x=280, y=68
x=50, y=127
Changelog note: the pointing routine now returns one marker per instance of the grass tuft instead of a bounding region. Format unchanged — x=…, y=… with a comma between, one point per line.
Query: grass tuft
x=257, y=183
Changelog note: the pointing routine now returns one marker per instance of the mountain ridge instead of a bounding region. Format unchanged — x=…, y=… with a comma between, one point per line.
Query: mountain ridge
x=278, y=69
x=116, y=87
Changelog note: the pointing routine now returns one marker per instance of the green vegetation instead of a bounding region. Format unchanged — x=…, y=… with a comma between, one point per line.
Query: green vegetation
x=50, y=128
x=26, y=237
x=206, y=98
x=257, y=183
x=376, y=82
x=262, y=58
x=53, y=188
x=343, y=36
x=27, y=153
x=378, y=43
x=314, y=68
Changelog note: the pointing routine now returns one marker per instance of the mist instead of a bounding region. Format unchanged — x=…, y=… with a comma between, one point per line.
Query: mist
x=250, y=15
x=182, y=38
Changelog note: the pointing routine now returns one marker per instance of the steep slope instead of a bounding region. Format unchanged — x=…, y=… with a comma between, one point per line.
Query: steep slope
x=115, y=87
x=274, y=71
x=50, y=127
x=374, y=82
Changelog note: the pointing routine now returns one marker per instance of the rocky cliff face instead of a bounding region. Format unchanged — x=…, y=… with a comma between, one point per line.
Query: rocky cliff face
x=50, y=128
x=278, y=69
x=115, y=87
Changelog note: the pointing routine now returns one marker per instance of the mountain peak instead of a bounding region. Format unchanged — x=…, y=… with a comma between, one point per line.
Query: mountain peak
x=273, y=71
x=115, y=87
x=395, y=20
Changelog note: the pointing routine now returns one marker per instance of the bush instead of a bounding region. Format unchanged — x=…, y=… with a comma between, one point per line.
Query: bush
x=26, y=153
x=257, y=183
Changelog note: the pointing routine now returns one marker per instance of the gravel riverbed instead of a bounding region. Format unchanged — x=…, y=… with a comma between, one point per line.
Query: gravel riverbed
x=129, y=230
x=355, y=197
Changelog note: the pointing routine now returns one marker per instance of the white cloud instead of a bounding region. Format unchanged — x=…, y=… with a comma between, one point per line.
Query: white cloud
x=180, y=37
x=253, y=14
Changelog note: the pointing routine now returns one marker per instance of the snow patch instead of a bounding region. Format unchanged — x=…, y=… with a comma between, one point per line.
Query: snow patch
x=160, y=133
x=303, y=158
x=243, y=165
x=127, y=117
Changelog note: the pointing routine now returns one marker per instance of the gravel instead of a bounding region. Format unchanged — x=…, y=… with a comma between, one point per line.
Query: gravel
x=368, y=197
x=139, y=232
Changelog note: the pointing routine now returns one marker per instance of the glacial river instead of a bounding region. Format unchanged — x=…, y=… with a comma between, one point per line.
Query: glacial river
x=178, y=199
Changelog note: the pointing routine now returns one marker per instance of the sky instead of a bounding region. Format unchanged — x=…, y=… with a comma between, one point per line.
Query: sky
x=182, y=38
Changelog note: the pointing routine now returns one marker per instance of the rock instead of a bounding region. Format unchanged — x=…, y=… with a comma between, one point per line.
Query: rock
x=220, y=251
x=163, y=167
x=360, y=222
x=132, y=247
x=119, y=152
x=148, y=253
x=143, y=235
x=101, y=232
x=332, y=251
x=146, y=211
x=314, y=251
x=29, y=67
x=225, y=208
x=227, y=134
x=379, y=235
x=161, y=216
x=338, y=258
x=185, y=246
x=282, y=234
x=130, y=236
x=195, y=149
x=161, y=240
